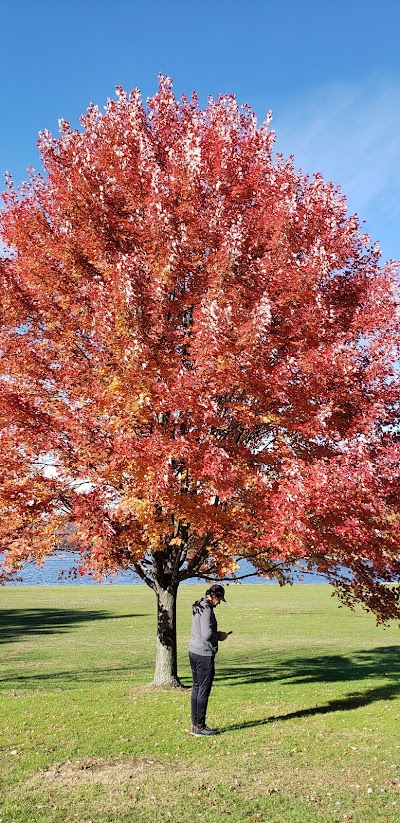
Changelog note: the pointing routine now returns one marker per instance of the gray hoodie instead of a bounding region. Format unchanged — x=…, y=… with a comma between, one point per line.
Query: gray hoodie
x=204, y=639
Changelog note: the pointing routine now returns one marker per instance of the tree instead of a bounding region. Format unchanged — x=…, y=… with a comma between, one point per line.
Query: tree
x=198, y=361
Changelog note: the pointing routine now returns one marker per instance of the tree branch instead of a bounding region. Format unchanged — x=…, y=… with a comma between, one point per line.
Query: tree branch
x=142, y=574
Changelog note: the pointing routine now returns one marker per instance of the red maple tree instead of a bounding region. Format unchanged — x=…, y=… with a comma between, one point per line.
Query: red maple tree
x=202, y=344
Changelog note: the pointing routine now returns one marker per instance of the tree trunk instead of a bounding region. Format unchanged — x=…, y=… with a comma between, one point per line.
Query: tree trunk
x=166, y=671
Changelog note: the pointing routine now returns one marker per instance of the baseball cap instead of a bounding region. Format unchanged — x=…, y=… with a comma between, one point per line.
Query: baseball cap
x=218, y=590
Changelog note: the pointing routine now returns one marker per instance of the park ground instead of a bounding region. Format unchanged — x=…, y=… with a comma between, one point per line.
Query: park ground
x=306, y=698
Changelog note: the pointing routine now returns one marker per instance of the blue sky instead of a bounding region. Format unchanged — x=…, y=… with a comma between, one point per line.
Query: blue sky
x=330, y=71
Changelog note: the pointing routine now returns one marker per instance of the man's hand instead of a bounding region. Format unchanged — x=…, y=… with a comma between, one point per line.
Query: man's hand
x=222, y=635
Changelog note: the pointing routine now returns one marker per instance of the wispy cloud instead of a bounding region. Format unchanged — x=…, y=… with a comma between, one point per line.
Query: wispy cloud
x=350, y=133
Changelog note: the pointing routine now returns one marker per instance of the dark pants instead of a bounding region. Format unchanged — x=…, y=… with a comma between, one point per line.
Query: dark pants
x=203, y=676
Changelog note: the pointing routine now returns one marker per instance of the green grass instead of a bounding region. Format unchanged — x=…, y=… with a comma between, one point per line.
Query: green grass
x=307, y=699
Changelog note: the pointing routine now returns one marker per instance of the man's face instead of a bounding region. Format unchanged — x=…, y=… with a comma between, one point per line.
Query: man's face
x=215, y=600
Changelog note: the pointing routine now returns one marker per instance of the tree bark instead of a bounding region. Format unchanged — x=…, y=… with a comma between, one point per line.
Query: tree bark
x=166, y=669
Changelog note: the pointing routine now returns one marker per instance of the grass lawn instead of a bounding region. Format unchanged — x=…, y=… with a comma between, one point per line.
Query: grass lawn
x=306, y=697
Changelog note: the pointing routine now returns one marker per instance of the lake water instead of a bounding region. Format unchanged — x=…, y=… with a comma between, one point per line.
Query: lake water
x=54, y=572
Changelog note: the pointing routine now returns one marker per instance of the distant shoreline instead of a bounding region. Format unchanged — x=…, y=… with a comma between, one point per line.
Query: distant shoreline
x=53, y=567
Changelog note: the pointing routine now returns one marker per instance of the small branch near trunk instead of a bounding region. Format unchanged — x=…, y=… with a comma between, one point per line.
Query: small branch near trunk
x=143, y=575
x=177, y=564
x=195, y=563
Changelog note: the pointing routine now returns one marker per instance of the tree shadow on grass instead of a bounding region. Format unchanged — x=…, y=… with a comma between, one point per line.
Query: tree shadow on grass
x=352, y=701
x=17, y=623
x=64, y=679
x=367, y=665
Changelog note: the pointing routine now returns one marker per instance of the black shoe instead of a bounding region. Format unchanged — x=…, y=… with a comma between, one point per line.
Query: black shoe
x=203, y=731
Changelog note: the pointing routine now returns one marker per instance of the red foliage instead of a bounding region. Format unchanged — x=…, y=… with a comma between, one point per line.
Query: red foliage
x=203, y=344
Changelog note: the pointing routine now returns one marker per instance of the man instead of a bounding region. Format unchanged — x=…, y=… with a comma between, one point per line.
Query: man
x=203, y=647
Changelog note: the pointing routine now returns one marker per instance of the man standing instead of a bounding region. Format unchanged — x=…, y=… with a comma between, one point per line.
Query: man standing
x=203, y=647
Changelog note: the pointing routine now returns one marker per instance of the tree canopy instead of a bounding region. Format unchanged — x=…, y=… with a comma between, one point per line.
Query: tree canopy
x=199, y=357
